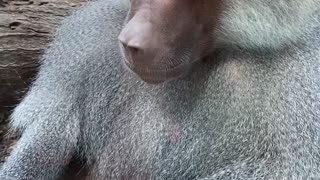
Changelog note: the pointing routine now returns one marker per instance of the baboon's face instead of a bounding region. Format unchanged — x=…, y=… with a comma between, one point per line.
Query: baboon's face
x=163, y=38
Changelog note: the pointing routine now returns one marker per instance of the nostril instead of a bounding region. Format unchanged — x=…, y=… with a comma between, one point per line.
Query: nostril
x=123, y=44
x=130, y=48
x=133, y=50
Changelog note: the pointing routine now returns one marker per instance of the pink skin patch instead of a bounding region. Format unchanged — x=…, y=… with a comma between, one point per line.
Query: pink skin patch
x=175, y=132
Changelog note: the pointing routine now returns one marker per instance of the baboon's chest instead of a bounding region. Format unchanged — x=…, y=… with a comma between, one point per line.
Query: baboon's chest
x=152, y=144
x=183, y=132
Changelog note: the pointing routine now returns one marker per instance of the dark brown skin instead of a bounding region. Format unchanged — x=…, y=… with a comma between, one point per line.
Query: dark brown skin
x=163, y=38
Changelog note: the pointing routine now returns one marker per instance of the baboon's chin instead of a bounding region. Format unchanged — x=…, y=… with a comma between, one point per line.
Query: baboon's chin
x=157, y=77
x=153, y=75
x=153, y=81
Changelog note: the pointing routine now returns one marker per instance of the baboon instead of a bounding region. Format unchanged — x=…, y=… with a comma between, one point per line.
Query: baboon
x=176, y=89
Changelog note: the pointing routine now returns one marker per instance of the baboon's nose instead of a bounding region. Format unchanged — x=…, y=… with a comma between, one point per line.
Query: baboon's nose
x=136, y=38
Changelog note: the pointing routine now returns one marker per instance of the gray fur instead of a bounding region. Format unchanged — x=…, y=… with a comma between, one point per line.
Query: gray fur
x=265, y=24
x=245, y=114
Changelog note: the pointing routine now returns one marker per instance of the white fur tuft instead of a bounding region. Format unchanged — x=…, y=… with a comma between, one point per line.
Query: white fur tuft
x=125, y=2
x=265, y=24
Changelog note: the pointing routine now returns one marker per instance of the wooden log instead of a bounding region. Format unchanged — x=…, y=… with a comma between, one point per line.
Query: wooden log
x=26, y=27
